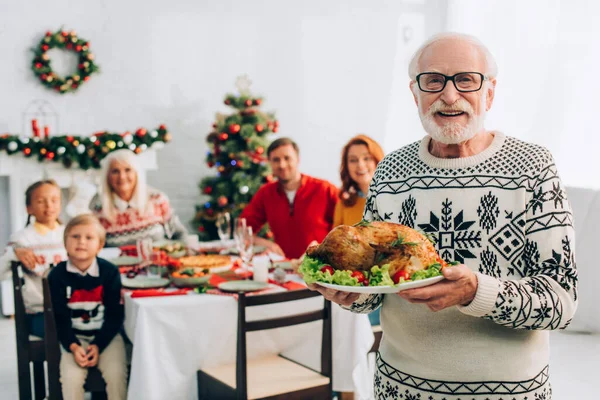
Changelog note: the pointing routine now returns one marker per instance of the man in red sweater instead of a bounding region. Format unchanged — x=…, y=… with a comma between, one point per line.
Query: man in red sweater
x=298, y=207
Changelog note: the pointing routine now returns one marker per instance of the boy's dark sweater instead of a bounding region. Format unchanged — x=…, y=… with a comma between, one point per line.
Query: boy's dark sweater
x=107, y=314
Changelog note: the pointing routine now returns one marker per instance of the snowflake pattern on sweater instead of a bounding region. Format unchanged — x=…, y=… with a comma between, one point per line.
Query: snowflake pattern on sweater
x=504, y=214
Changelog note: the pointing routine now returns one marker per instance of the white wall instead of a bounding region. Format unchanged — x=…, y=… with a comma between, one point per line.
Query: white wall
x=328, y=69
x=547, y=91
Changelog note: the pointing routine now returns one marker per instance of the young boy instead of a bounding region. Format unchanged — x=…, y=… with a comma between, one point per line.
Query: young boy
x=86, y=295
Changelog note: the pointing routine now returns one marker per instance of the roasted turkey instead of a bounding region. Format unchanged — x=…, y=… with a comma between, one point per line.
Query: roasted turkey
x=359, y=247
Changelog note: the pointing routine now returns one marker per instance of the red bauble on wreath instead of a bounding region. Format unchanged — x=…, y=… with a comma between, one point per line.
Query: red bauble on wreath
x=68, y=41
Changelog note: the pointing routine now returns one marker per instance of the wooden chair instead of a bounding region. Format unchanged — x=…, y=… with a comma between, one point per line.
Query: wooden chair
x=273, y=377
x=30, y=349
x=94, y=382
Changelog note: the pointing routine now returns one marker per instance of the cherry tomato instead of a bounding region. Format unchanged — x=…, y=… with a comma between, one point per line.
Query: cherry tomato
x=327, y=268
x=401, y=274
x=360, y=277
x=366, y=282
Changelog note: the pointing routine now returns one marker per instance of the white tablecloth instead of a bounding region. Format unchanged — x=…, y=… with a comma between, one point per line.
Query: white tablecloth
x=174, y=336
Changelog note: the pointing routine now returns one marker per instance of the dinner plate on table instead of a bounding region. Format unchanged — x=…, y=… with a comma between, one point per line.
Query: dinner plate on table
x=125, y=261
x=383, y=289
x=284, y=264
x=257, y=250
x=144, y=282
x=242, y=286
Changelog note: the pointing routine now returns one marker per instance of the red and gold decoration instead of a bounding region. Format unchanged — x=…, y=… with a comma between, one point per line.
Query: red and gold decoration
x=69, y=41
x=84, y=151
x=237, y=150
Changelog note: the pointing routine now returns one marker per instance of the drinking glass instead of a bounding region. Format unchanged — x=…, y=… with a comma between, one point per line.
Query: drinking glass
x=144, y=249
x=244, y=242
x=224, y=226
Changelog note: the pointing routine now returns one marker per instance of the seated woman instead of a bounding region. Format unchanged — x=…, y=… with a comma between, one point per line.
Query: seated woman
x=360, y=157
x=128, y=208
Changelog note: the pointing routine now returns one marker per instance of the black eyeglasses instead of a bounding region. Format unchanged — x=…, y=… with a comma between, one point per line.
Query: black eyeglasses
x=433, y=82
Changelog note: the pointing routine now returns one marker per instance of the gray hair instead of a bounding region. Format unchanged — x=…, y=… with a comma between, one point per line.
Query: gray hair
x=140, y=194
x=491, y=68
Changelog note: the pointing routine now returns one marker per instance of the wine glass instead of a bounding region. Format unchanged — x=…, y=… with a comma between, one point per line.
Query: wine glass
x=224, y=226
x=244, y=241
x=240, y=224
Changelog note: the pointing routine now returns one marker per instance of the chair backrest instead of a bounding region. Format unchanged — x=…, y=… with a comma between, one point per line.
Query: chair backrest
x=280, y=322
x=52, y=345
x=22, y=329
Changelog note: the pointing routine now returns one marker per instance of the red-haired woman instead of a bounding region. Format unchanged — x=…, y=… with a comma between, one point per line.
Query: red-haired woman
x=360, y=156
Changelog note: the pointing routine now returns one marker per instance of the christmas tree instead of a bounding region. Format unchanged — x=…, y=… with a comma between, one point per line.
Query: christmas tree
x=238, y=144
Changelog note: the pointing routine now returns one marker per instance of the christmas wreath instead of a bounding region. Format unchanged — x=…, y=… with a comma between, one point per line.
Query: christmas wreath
x=42, y=67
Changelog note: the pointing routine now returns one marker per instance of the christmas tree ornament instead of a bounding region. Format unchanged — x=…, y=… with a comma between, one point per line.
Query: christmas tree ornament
x=141, y=132
x=260, y=150
x=12, y=146
x=81, y=149
x=222, y=201
x=27, y=151
x=127, y=138
x=234, y=128
x=257, y=101
x=208, y=190
x=248, y=103
x=223, y=136
x=61, y=150
x=244, y=189
x=154, y=134
x=259, y=128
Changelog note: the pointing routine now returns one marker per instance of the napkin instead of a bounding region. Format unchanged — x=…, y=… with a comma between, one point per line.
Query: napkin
x=158, y=292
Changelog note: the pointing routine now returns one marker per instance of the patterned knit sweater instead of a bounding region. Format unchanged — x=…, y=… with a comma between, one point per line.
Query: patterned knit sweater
x=48, y=246
x=504, y=214
x=158, y=222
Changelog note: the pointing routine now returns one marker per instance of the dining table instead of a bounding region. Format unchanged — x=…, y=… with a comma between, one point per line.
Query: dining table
x=175, y=336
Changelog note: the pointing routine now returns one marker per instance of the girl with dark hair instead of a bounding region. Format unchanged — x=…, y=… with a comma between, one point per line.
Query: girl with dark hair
x=37, y=246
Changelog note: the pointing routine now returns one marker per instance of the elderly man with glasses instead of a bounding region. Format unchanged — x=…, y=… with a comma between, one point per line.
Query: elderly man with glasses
x=497, y=206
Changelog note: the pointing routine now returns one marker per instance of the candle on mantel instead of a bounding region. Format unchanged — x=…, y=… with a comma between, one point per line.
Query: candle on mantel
x=35, y=128
x=46, y=131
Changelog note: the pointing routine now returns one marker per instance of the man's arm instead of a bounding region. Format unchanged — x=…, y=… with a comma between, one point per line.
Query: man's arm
x=332, y=200
x=546, y=296
x=255, y=212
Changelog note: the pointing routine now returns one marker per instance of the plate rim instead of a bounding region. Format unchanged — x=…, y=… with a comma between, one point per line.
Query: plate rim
x=138, y=261
x=381, y=289
x=266, y=285
x=165, y=282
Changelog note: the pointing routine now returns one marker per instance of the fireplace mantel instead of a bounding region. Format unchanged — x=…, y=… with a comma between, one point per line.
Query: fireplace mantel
x=22, y=172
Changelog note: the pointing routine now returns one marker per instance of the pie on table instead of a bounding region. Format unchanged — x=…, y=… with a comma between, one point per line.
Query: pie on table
x=205, y=261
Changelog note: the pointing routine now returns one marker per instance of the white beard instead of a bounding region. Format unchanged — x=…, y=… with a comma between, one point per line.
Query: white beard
x=452, y=132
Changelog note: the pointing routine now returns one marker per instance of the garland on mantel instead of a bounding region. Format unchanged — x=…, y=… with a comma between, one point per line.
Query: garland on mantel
x=84, y=151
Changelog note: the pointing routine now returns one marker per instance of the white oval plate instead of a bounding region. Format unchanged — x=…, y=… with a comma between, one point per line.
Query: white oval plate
x=124, y=261
x=143, y=282
x=242, y=286
x=383, y=289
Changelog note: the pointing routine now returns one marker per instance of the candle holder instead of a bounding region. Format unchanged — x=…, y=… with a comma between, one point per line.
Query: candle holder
x=40, y=119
